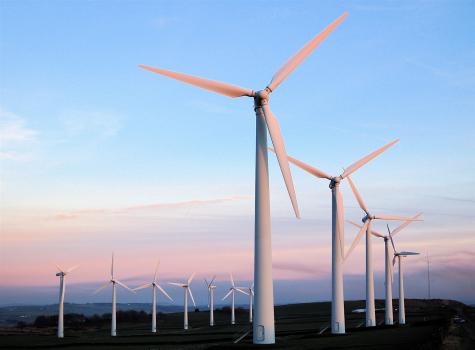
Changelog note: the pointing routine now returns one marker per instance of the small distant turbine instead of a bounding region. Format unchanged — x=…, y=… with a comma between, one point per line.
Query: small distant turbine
x=62, y=286
x=366, y=229
x=398, y=256
x=388, y=277
x=187, y=290
x=113, y=281
x=154, y=285
x=232, y=290
x=250, y=292
x=211, y=287
x=338, y=237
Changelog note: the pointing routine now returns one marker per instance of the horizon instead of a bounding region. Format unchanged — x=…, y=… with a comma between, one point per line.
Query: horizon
x=98, y=155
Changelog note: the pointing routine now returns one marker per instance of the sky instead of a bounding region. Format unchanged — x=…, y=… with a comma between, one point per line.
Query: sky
x=100, y=156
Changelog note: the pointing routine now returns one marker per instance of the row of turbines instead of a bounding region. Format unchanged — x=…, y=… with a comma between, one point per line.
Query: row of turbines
x=266, y=122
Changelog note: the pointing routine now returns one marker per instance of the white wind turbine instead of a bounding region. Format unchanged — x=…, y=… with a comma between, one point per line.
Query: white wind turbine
x=113, y=281
x=62, y=286
x=338, y=306
x=187, y=290
x=211, y=287
x=264, y=327
x=388, y=270
x=250, y=292
x=232, y=290
x=154, y=285
x=366, y=229
x=398, y=256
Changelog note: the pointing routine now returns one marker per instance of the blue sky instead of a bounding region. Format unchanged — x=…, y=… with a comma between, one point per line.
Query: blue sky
x=87, y=135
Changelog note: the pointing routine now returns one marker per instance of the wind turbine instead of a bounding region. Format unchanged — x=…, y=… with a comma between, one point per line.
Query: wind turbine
x=250, y=292
x=367, y=221
x=264, y=327
x=398, y=256
x=338, y=306
x=388, y=274
x=113, y=281
x=232, y=290
x=187, y=290
x=211, y=287
x=62, y=286
x=154, y=285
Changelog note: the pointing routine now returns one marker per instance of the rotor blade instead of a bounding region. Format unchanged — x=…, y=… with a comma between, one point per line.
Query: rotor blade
x=285, y=70
x=373, y=232
x=163, y=292
x=101, y=287
x=156, y=270
x=59, y=268
x=278, y=142
x=308, y=168
x=212, y=85
x=405, y=224
x=71, y=269
x=206, y=283
x=238, y=289
x=112, y=266
x=395, y=218
x=228, y=294
x=177, y=284
x=394, y=259
x=211, y=283
x=191, y=295
x=357, y=195
x=357, y=238
x=124, y=286
x=143, y=287
x=408, y=253
x=232, y=279
x=190, y=278
x=391, y=238
x=356, y=165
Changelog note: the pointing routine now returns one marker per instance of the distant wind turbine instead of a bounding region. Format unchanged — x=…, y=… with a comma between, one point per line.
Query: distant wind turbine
x=388, y=274
x=211, y=287
x=338, y=306
x=366, y=229
x=232, y=290
x=187, y=290
x=113, y=281
x=250, y=291
x=264, y=326
x=62, y=285
x=154, y=285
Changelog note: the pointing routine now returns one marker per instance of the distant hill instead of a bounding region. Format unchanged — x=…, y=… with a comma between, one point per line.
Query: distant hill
x=11, y=315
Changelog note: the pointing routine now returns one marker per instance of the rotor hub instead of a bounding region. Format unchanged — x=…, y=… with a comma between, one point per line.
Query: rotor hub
x=261, y=97
x=335, y=181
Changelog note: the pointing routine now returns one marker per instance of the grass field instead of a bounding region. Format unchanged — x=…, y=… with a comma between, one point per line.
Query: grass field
x=434, y=324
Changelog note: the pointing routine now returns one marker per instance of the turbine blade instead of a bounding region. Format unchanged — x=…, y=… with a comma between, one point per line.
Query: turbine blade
x=405, y=224
x=212, y=85
x=357, y=238
x=373, y=232
x=59, y=268
x=71, y=269
x=163, y=292
x=156, y=270
x=285, y=70
x=101, y=287
x=177, y=284
x=391, y=238
x=112, y=266
x=124, y=286
x=408, y=253
x=278, y=142
x=206, y=283
x=395, y=218
x=191, y=278
x=214, y=277
x=357, y=195
x=308, y=168
x=232, y=279
x=356, y=165
x=191, y=295
x=227, y=294
x=143, y=287
x=238, y=289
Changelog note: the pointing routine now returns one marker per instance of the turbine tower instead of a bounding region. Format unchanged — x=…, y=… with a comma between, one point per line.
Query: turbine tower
x=113, y=281
x=187, y=290
x=211, y=287
x=338, y=306
x=232, y=290
x=367, y=220
x=62, y=286
x=154, y=285
x=264, y=327
x=398, y=256
x=388, y=274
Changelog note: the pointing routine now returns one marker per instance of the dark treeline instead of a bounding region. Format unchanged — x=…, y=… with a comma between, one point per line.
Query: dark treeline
x=79, y=320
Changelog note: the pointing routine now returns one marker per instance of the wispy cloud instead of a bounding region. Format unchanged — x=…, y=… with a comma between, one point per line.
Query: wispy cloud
x=75, y=214
x=14, y=134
